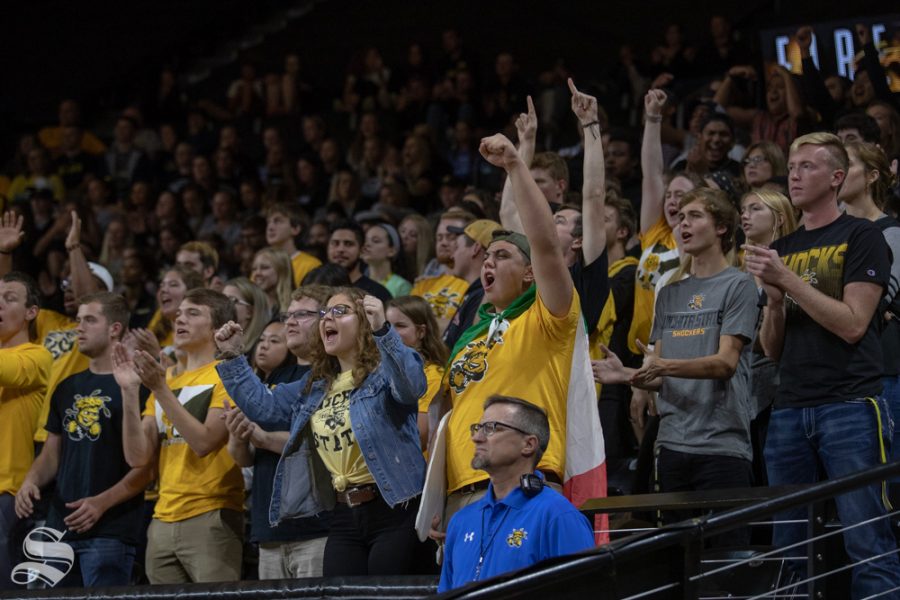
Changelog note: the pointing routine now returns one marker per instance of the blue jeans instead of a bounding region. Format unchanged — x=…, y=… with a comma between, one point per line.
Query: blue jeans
x=891, y=393
x=844, y=436
x=104, y=562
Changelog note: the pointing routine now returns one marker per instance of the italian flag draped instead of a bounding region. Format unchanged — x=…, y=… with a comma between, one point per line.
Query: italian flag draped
x=585, y=475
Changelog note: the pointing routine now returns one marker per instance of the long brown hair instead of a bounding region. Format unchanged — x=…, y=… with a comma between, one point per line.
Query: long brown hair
x=327, y=367
x=433, y=349
x=873, y=158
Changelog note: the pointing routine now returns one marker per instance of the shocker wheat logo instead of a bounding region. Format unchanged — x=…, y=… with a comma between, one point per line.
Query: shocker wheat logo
x=471, y=367
x=83, y=419
x=49, y=560
x=696, y=302
x=60, y=342
x=515, y=539
x=443, y=302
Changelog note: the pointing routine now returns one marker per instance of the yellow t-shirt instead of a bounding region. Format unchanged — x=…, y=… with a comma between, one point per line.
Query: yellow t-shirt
x=24, y=370
x=434, y=374
x=333, y=434
x=658, y=255
x=57, y=332
x=301, y=264
x=443, y=293
x=190, y=485
x=51, y=138
x=530, y=358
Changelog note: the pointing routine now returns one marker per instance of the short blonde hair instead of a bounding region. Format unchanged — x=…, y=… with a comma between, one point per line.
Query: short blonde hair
x=830, y=142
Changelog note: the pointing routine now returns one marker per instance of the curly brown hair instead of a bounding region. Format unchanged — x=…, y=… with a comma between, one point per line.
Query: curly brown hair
x=326, y=367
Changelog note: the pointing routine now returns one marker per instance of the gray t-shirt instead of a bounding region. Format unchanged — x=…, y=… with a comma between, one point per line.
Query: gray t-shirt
x=706, y=416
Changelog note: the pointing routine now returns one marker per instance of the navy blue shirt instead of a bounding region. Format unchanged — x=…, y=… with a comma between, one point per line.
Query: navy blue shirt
x=510, y=534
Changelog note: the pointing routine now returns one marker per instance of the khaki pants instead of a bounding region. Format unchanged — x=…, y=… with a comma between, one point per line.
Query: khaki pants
x=204, y=548
x=291, y=560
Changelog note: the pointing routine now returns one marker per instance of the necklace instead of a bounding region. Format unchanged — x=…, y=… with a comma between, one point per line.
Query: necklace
x=482, y=547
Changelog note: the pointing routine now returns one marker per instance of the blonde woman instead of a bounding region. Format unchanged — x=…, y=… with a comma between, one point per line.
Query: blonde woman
x=251, y=307
x=273, y=273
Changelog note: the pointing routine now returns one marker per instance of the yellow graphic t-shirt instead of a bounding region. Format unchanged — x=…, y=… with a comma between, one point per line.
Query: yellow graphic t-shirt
x=57, y=332
x=301, y=264
x=434, y=374
x=24, y=370
x=333, y=435
x=443, y=293
x=190, y=485
x=529, y=357
x=659, y=254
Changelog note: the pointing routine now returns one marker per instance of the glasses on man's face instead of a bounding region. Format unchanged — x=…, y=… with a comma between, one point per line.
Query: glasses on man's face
x=491, y=427
x=299, y=315
x=338, y=310
x=755, y=160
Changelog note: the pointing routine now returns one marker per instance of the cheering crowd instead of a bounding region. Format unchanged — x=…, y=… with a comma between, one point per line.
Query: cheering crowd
x=236, y=335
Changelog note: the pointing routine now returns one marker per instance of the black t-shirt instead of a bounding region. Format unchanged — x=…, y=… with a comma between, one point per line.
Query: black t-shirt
x=264, y=465
x=86, y=412
x=592, y=284
x=621, y=286
x=465, y=314
x=817, y=366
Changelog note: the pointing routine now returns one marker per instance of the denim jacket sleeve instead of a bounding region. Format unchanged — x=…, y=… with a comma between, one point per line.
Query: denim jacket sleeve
x=403, y=369
x=271, y=409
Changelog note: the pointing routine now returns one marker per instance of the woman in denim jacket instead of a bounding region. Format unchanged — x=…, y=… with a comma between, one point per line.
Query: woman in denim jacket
x=354, y=444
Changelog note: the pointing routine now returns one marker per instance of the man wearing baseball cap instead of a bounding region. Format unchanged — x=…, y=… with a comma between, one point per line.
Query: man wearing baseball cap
x=471, y=242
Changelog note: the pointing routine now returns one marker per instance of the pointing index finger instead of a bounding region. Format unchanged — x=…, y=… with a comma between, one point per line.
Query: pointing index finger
x=572, y=87
x=530, y=103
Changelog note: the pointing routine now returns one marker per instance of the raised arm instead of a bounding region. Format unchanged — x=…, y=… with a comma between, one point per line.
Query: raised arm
x=526, y=127
x=814, y=89
x=82, y=280
x=741, y=116
x=792, y=94
x=403, y=366
x=593, y=190
x=554, y=283
x=140, y=437
x=202, y=437
x=269, y=408
x=11, y=236
x=652, y=185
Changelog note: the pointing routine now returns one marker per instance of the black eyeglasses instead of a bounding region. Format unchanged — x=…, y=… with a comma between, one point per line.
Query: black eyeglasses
x=298, y=315
x=490, y=428
x=338, y=310
x=755, y=160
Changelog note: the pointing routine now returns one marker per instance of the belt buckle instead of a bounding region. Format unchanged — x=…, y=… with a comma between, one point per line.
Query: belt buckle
x=351, y=503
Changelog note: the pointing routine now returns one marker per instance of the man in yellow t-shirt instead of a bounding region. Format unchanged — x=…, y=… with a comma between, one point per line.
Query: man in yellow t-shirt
x=24, y=369
x=284, y=223
x=444, y=292
x=524, y=342
x=197, y=527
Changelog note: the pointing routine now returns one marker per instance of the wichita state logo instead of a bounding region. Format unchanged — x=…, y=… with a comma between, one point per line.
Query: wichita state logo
x=442, y=302
x=58, y=343
x=696, y=302
x=472, y=364
x=516, y=537
x=83, y=419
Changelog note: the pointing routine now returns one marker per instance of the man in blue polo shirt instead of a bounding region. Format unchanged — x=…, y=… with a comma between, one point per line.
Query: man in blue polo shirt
x=519, y=521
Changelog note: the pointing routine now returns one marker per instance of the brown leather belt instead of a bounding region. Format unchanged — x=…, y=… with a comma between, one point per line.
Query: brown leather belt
x=357, y=495
x=472, y=487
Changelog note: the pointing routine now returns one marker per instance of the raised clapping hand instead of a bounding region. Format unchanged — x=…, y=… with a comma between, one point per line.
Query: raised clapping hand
x=374, y=309
x=765, y=264
x=499, y=151
x=123, y=368
x=527, y=123
x=151, y=371
x=583, y=105
x=11, y=234
x=230, y=337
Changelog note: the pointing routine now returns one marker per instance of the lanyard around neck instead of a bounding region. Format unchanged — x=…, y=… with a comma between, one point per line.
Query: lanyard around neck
x=483, y=548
